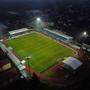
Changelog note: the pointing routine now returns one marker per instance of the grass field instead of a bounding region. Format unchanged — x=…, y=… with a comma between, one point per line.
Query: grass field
x=44, y=51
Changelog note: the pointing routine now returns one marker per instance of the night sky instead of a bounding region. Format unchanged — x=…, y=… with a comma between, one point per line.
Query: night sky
x=43, y=1
x=40, y=3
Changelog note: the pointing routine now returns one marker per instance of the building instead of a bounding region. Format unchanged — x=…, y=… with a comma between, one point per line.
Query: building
x=19, y=32
x=8, y=73
x=72, y=64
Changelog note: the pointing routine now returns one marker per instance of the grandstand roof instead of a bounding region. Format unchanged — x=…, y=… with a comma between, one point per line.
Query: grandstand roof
x=18, y=31
x=73, y=62
x=63, y=35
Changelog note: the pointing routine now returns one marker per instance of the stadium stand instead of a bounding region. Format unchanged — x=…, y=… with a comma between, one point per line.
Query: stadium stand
x=22, y=31
x=57, y=36
x=15, y=60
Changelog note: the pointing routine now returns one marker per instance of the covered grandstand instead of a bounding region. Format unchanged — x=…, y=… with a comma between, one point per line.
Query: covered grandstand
x=14, y=60
x=53, y=34
x=19, y=32
x=57, y=36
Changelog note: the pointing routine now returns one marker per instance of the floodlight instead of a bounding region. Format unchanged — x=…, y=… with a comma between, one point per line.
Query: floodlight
x=38, y=19
x=85, y=33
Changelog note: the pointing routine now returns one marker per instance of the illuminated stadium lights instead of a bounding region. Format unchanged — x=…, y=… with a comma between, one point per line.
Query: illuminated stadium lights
x=38, y=19
x=85, y=33
x=84, y=36
x=39, y=23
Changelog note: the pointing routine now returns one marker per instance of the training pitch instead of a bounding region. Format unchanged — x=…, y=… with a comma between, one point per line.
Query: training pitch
x=43, y=51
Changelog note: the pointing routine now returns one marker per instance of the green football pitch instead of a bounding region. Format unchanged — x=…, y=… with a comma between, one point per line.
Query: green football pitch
x=44, y=51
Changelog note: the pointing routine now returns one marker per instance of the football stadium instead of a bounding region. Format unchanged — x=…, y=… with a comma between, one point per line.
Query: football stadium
x=40, y=51
x=49, y=55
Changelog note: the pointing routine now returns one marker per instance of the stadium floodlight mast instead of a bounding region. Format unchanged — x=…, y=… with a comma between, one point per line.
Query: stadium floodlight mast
x=39, y=23
x=85, y=33
x=38, y=19
x=84, y=36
